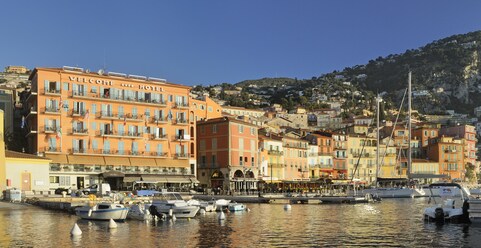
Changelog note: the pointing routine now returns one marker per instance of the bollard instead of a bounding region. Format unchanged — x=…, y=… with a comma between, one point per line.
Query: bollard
x=112, y=224
x=75, y=230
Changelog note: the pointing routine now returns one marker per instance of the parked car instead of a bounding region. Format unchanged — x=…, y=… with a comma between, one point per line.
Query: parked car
x=60, y=190
x=93, y=189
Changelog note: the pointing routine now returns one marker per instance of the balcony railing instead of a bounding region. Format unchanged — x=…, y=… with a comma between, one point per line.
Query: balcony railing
x=275, y=152
x=324, y=153
x=79, y=93
x=158, y=154
x=79, y=112
x=107, y=115
x=182, y=155
x=78, y=150
x=51, y=110
x=114, y=133
x=117, y=98
x=51, y=149
x=159, y=137
x=184, y=137
x=181, y=105
x=50, y=129
x=181, y=121
x=80, y=131
x=161, y=119
x=51, y=91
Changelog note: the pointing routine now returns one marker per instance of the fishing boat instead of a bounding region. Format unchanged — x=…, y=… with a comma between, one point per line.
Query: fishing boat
x=207, y=206
x=448, y=210
x=103, y=211
x=139, y=212
x=171, y=203
x=234, y=207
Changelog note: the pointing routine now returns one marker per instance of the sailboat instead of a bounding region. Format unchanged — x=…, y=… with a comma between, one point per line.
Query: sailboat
x=396, y=192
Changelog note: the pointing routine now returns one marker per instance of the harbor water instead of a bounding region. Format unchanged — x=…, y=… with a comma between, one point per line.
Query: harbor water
x=391, y=223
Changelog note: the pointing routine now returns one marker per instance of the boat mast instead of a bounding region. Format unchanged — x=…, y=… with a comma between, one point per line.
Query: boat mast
x=409, y=128
x=378, y=100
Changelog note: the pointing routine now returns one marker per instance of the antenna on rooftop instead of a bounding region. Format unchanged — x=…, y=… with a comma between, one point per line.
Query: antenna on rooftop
x=105, y=60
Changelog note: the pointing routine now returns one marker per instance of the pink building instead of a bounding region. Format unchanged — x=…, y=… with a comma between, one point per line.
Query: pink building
x=228, y=154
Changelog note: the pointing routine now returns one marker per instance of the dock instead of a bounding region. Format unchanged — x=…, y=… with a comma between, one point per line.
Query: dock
x=281, y=199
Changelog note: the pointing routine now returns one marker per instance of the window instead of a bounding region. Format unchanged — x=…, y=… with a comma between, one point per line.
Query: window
x=214, y=128
x=240, y=160
x=65, y=87
x=171, y=98
x=252, y=131
x=209, y=109
x=214, y=144
x=54, y=179
x=241, y=128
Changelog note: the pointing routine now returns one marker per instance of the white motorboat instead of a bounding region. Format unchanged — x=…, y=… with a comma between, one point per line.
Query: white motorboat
x=221, y=204
x=207, y=206
x=448, y=211
x=234, y=206
x=171, y=203
x=103, y=211
x=139, y=212
x=395, y=192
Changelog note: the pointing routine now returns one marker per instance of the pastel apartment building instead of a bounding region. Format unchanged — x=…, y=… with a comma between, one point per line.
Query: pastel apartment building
x=110, y=127
x=228, y=154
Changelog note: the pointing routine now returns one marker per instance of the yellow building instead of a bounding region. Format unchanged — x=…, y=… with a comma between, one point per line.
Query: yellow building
x=273, y=171
x=3, y=184
x=16, y=69
x=361, y=158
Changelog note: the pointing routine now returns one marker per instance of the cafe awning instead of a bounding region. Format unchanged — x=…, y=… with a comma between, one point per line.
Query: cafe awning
x=57, y=158
x=89, y=160
x=155, y=178
x=172, y=162
x=128, y=179
x=143, y=162
x=117, y=161
x=178, y=180
x=112, y=174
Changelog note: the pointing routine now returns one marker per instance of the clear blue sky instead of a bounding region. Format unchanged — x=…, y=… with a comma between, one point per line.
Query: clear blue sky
x=210, y=42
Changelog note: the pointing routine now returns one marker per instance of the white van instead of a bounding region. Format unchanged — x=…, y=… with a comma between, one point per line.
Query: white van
x=94, y=189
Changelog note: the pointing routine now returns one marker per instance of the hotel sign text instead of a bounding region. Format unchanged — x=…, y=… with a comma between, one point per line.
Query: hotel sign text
x=109, y=82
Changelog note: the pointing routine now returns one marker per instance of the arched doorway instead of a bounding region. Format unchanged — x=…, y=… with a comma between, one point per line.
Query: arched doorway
x=217, y=179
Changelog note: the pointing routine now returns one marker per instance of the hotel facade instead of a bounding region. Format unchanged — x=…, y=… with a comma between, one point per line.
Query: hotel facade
x=110, y=127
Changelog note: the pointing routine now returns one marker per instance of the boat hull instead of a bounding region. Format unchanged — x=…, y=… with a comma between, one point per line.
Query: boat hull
x=236, y=207
x=179, y=211
x=119, y=214
x=395, y=192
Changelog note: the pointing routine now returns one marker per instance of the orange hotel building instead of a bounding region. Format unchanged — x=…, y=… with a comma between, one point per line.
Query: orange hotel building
x=111, y=127
x=227, y=153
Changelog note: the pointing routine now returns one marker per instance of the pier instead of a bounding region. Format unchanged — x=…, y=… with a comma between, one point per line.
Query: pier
x=282, y=199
